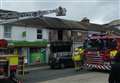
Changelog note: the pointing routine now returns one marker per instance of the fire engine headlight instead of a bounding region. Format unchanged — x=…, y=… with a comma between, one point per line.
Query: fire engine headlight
x=1, y=70
x=106, y=63
x=57, y=58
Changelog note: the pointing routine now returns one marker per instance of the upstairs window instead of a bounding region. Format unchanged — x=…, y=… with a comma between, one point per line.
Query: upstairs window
x=60, y=35
x=39, y=34
x=7, y=31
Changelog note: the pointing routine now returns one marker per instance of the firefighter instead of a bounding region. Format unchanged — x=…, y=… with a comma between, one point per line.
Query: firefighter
x=112, y=55
x=77, y=58
x=81, y=52
x=114, y=76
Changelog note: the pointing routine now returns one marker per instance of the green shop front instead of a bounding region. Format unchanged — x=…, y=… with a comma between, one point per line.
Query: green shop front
x=34, y=52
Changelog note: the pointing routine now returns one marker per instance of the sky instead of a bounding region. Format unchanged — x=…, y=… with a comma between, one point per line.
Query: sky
x=98, y=11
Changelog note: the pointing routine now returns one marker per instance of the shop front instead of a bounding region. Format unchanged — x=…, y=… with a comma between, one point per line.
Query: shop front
x=37, y=55
x=34, y=52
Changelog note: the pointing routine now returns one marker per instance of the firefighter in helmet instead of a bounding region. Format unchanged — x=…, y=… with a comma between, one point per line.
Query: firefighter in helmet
x=114, y=76
x=112, y=55
x=77, y=58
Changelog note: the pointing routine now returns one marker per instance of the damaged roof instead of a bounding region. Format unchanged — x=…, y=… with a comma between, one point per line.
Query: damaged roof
x=56, y=23
x=50, y=23
x=92, y=27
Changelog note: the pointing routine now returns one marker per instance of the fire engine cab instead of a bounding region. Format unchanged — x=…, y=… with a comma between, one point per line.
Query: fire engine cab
x=11, y=64
x=98, y=48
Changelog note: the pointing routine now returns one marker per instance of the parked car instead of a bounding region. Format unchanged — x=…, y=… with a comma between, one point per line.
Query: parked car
x=61, y=60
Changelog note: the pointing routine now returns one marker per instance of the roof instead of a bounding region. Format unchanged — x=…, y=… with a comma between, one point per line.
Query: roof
x=112, y=26
x=92, y=27
x=56, y=23
x=49, y=22
x=115, y=22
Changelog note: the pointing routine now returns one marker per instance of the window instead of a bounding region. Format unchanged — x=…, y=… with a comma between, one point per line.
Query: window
x=7, y=31
x=60, y=35
x=39, y=34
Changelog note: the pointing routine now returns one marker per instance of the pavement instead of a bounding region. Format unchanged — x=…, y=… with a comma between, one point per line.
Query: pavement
x=91, y=77
x=29, y=68
x=82, y=78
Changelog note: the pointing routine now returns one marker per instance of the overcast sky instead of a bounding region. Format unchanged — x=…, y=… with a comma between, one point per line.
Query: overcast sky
x=98, y=11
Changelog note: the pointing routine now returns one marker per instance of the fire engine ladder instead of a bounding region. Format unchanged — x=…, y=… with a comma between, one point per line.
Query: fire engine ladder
x=14, y=16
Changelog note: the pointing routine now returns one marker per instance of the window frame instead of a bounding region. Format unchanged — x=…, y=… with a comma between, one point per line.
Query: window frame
x=7, y=31
x=39, y=33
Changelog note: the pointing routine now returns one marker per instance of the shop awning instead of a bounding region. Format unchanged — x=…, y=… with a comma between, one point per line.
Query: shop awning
x=42, y=43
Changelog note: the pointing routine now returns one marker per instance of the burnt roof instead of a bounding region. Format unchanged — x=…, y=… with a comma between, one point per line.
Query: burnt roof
x=92, y=26
x=50, y=23
x=56, y=23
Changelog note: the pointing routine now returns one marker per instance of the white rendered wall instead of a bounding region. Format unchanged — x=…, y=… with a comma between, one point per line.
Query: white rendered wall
x=31, y=33
x=1, y=31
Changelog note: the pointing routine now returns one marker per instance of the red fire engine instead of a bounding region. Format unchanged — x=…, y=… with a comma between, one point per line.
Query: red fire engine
x=11, y=64
x=97, y=50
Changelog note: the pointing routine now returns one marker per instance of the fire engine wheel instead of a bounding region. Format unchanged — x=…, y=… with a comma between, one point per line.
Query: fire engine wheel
x=16, y=81
x=52, y=67
x=62, y=65
x=20, y=81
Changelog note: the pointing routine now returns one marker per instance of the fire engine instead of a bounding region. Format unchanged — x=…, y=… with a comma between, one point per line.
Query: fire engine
x=97, y=50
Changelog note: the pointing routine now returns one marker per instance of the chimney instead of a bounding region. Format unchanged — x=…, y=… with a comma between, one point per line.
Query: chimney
x=86, y=20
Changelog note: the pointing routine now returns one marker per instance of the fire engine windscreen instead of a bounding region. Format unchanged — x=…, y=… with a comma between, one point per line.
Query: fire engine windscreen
x=6, y=51
x=100, y=44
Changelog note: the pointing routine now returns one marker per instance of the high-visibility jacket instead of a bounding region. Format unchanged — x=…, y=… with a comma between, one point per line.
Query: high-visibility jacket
x=76, y=57
x=81, y=51
x=113, y=53
x=78, y=54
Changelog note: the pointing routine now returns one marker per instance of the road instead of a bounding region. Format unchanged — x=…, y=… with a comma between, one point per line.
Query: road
x=65, y=76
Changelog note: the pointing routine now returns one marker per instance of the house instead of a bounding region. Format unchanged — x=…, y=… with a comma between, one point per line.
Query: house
x=37, y=38
x=62, y=34
x=28, y=41
x=113, y=26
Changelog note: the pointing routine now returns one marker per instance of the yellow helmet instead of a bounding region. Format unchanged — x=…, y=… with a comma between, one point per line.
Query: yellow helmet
x=80, y=49
x=76, y=49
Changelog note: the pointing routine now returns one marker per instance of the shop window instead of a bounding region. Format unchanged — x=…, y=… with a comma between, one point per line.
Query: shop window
x=7, y=31
x=39, y=34
x=34, y=50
